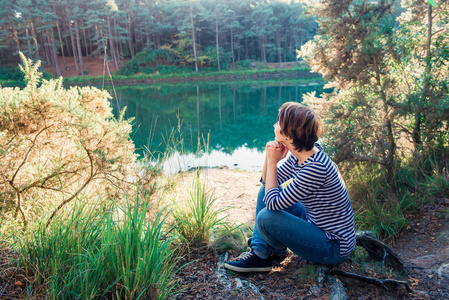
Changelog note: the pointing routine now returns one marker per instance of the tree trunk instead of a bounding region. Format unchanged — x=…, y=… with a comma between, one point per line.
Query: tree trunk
x=85, y=40
x=69, y=53
x=278, y=44
x=28, y=40
x=78, y=44
x=285, y=47
x=33, y=34
x=130, y=39
x=16, y=39
x=246, y=43
x=263, y=50
x=111, y=44
x=216, y=40
x=53, y=50
x=232, y=47
x=60, y=44
x=75, y=54
x=193, y=39
x=117, y=45
x=148, y=40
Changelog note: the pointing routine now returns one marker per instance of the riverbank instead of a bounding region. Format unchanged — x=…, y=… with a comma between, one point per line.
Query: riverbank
x=97, y=73
x=204, y=76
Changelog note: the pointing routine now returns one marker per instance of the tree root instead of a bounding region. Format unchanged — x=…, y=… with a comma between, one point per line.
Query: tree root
x=375, y=281
x=379, y=251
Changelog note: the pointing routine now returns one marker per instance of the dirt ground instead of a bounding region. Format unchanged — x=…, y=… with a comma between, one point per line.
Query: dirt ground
x=236, y=191
x=94, y=66
x=423, y=247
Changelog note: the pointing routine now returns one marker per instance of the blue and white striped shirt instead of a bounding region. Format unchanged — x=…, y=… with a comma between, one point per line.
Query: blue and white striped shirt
x=317, y=183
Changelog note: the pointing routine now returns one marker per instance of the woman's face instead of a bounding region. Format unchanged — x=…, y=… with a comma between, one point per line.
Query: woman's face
x=279, y=135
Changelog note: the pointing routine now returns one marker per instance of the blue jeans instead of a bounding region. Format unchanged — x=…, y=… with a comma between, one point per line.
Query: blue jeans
x=274, y=231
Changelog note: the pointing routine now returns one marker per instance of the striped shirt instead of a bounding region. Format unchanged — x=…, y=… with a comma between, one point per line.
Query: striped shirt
x=317, y=183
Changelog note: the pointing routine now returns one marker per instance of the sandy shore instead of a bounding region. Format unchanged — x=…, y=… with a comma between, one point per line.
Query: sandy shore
x=235, y=189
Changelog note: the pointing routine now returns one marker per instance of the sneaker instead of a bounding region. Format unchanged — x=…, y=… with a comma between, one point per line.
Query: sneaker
x=273, y=255
x=250, y=262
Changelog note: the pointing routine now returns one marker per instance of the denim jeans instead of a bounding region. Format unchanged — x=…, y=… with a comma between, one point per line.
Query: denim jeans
x=275, y=231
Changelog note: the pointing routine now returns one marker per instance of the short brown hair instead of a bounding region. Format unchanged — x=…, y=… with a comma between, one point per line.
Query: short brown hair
x=301, y=124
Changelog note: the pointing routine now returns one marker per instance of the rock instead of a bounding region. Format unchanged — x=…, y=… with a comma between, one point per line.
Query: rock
x=337, y=289
x=222, y=277
x=443, y=275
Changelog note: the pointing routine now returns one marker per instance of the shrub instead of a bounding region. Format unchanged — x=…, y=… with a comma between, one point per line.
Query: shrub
x=244, y=64
x=144, y=59
x=58, y=144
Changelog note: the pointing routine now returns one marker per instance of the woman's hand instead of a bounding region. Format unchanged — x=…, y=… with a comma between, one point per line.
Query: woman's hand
x=275, y=151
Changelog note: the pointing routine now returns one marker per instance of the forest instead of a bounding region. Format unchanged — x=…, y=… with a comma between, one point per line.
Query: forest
x=199, y=32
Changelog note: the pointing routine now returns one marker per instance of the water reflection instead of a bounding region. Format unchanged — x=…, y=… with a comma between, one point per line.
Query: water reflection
x=236, y=120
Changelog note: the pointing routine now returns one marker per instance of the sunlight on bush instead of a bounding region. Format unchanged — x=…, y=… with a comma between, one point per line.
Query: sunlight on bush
x=58, y=144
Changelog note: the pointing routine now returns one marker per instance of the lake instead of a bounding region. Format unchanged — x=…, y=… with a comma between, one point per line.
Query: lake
x=207, y=124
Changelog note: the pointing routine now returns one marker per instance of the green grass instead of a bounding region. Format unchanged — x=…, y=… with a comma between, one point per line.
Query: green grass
x=121, y=252
x=196, y=221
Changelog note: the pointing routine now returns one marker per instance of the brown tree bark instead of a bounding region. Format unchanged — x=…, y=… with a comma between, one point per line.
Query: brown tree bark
x=78, y=45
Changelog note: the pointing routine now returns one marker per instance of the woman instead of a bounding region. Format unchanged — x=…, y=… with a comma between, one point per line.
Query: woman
x=312, y=216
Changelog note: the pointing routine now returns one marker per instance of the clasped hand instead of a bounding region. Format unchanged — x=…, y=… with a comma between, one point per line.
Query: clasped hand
x=275, y=151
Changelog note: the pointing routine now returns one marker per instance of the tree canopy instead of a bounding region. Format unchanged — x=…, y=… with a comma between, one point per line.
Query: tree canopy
x=221, y=32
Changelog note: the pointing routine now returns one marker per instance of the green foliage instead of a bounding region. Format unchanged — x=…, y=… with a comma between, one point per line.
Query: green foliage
x=96, y=253
x=243, y=64
x=164, y=69
x=391, y=103
x=196, y=222
x=145, y=60
x=211, y=54
x=10, y=73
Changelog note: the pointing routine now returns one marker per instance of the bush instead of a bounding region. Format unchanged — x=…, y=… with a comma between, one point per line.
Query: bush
x=59, y=144
x=10, y=73
x=244, y=64
x=145, y=59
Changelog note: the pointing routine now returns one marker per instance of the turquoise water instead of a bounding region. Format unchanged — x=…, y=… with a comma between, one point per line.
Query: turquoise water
x=233, y=122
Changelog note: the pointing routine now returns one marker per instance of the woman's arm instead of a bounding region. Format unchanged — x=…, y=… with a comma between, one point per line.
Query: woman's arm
x=274, y=153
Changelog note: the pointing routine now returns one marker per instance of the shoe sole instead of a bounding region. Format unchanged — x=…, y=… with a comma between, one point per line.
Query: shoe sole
x=246, y=270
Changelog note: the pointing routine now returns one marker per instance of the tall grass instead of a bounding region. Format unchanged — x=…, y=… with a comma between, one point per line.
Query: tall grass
x=376, y=208
x=380, y=208
x=196, y=222
x=121, y=252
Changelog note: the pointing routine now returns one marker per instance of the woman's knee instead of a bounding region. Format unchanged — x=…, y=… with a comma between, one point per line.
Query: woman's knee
x=265, y=216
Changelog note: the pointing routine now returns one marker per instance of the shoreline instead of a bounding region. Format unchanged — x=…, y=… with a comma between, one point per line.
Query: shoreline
x=193, y=78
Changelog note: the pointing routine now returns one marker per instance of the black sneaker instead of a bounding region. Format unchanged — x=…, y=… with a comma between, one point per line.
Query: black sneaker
x=250, y=262
x=273, y=255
